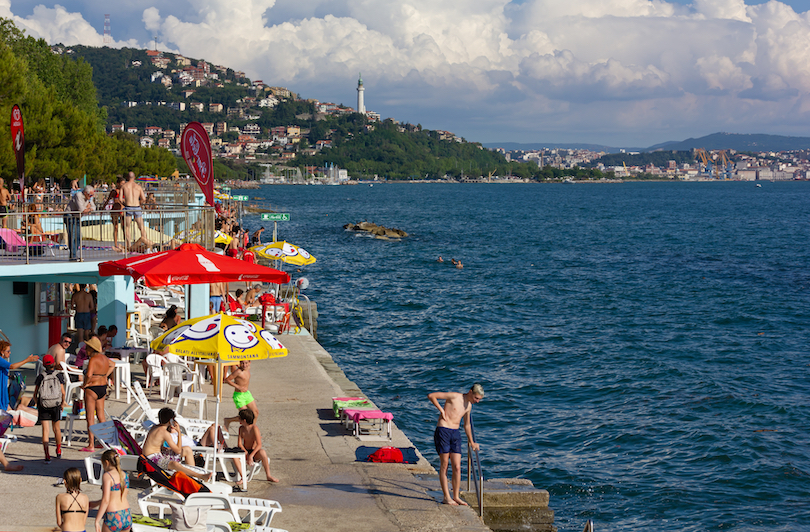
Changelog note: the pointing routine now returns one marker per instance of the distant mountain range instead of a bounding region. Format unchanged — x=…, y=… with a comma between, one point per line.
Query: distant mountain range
x=715, y=141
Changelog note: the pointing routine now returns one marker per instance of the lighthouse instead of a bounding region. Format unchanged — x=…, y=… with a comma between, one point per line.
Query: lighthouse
x=361, y=106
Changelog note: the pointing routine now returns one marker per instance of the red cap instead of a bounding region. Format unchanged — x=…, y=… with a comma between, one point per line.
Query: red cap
x=48, y=360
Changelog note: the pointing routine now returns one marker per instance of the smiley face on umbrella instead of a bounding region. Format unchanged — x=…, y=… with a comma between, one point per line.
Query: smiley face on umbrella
x=239, y=336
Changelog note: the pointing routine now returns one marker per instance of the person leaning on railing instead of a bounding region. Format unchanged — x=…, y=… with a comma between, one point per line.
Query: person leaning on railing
x=81, y=203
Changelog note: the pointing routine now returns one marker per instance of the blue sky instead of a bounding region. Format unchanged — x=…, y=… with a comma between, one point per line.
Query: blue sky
x=616, y=72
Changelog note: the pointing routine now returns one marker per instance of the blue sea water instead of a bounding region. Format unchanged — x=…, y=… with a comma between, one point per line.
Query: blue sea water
x=644, y=346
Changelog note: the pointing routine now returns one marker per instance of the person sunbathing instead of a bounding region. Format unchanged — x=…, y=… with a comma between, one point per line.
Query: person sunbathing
x=162, y=434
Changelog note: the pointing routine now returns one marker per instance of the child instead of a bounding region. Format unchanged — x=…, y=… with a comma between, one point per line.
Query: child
x=250, y=441
x=113, y=508
x=73, y=505
x=49, y=393
x=239, y=378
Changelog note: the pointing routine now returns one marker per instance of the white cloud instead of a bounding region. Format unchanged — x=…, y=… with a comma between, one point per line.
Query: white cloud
x=538, y=65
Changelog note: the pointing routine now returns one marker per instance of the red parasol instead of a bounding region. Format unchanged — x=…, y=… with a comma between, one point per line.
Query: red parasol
x=190, y=264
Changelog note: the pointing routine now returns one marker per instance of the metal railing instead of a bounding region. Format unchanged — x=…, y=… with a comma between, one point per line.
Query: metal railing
x=474, y=466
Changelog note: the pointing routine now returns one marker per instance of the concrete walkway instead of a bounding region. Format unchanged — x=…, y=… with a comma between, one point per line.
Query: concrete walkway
x=323, y=486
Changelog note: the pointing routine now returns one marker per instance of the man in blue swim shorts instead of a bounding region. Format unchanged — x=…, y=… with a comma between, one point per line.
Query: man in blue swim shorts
x=447, y=436
x=133, y=198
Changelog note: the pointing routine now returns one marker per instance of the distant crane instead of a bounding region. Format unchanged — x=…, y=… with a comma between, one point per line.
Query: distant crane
x=703, y=158
x=727, y=164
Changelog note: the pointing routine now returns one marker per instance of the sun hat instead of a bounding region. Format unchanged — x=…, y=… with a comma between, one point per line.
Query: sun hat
x=94, y=344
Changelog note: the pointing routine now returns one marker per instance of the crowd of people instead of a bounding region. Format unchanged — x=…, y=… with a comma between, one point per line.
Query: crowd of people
x=164, y=445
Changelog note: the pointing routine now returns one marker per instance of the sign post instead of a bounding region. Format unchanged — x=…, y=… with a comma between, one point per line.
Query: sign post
x=275, y=217
x=196, y=149
x=18, y=143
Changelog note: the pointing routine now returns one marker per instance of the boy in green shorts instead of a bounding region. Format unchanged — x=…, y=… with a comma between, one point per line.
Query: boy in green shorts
x=239, y=378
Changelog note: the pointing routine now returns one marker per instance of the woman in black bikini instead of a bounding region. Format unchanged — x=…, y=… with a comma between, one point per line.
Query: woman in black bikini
x=98, y=371
x=72, y=506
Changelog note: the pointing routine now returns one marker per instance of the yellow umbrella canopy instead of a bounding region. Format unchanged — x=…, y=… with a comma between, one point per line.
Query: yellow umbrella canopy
x=220, y=338
x=221, y=238
x=285, y=252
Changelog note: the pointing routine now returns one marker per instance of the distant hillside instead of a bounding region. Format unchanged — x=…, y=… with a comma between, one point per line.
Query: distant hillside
x=735, y=141
x=510, y=146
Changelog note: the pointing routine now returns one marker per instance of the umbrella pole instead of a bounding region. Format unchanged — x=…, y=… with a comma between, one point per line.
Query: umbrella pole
x=216, y=439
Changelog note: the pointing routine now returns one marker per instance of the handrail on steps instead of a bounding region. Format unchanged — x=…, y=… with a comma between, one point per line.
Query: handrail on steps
x=474, y=466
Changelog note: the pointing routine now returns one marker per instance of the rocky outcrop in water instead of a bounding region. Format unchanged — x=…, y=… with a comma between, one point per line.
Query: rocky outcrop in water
x=377, y=230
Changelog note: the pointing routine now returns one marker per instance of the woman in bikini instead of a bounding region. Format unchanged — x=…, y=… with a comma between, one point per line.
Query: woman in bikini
x=115, y=211
x=113, y=508
x=72, y=506
x=98, y=371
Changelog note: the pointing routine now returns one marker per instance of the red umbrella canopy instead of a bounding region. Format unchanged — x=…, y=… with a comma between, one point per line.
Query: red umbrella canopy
x=190, y=264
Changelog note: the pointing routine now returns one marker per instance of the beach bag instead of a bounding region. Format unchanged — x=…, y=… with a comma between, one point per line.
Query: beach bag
x=390, y=455
x=6, y=420
x=189, y=518
x=16, y=386
x=50, y=390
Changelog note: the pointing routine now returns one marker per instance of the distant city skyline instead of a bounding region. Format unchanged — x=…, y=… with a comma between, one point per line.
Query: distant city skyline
x=618, y=73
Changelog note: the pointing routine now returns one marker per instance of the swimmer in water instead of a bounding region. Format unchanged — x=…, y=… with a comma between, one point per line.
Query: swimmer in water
x=459, y=265
x=440, y=259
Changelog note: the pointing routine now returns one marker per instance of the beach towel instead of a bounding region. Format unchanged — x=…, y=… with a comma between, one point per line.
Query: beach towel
x=390, y=455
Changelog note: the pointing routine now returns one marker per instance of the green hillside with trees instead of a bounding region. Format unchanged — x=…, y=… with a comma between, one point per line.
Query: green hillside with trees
x=64, y=125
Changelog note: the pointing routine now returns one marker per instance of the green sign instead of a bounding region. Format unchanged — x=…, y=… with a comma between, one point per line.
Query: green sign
x=226, y=187
x=240, y=198
x=276, y=216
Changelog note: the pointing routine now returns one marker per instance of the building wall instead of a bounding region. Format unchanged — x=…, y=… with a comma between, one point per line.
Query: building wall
x=17, y=322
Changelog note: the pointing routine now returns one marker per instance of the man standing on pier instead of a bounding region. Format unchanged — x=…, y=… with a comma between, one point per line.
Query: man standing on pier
x=447, y=436
x=134, y=199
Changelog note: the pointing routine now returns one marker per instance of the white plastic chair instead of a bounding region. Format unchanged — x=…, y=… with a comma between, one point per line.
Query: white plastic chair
x=156, y=370
x=138, y=339
x=70, y=385
x=176, y=379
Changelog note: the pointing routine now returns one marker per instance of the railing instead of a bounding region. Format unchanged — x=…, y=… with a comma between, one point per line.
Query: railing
x=474, y=466
x=309, y=310
x=55, y=235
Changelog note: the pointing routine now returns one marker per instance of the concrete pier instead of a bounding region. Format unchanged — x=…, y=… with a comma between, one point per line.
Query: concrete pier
x=323, y=485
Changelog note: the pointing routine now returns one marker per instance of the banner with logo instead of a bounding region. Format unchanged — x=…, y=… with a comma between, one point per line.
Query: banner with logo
x=18, y=142
x=196, y=149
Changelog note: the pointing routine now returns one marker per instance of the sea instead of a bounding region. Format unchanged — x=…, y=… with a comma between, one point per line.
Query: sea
x=644, y=347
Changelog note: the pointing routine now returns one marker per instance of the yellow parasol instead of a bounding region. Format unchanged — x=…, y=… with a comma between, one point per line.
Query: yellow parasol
x=285, y=252
x=221, y=238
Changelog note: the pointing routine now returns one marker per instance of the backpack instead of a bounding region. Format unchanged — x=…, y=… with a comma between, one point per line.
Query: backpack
x=50, y=390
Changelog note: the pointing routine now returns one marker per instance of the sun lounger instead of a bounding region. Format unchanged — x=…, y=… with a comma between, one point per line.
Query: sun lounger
x=375, y=423
x=341, y=403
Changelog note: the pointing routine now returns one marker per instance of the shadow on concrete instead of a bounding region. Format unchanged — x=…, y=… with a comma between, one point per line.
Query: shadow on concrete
x=350, y=488
x=335, y=429
x=326, y=414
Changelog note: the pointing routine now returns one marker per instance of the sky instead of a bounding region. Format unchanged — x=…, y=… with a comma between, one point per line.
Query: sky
x=624, y=73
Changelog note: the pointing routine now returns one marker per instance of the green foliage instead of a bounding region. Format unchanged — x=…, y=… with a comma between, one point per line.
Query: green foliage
x=413, y=154
x=64, y=126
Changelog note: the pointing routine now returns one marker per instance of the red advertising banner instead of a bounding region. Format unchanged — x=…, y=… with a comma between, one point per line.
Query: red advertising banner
x=18, y=142
x=196, y=150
